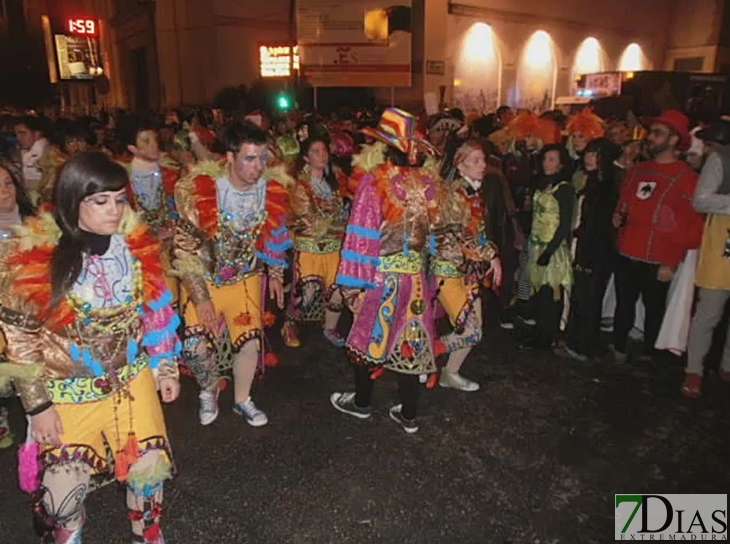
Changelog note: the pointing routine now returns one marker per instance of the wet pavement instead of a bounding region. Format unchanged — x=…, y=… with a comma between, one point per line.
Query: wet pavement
x=535, y=457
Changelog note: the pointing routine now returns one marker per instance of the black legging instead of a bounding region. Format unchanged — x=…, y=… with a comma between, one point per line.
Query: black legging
x=408, y=389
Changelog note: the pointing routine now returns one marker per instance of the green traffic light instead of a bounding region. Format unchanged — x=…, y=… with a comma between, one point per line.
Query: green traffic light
x=283, y=103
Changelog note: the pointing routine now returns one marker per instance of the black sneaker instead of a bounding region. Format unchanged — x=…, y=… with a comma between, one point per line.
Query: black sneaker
x=409, y=425
x=345, y=403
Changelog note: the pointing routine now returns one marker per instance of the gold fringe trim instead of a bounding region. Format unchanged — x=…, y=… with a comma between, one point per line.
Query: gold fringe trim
x=279, y=172
x=186, y=265
x=15, y=371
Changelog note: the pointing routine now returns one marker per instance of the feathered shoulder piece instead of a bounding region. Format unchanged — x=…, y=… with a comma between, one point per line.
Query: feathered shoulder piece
x=196, y=196
x=279, y=172
x=370, y=157
x=30, y=266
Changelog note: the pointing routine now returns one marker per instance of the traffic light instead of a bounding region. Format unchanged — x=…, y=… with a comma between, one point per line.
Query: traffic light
x=284, y=102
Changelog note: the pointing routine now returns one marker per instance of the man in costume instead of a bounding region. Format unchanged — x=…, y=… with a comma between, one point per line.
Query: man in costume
x=657, y=226
x=91, y=338
x=231, y=236
x=713, y=271
x=152, y=186
x=382, y=270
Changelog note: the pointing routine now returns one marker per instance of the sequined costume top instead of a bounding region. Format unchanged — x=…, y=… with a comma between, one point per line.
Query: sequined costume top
x=116, y=320
x=387, y=239
x=318, y=215
x=152, y=195
x=460, y=243
x=225, y=235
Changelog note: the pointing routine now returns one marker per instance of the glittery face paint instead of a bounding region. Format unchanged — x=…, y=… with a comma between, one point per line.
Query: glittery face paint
x=247, y=165
x=101, y=213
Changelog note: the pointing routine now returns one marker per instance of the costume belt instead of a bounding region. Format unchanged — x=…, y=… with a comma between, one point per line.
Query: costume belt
x=402, y=263
x=446, y=269
x=80, y=390
x=318, y=247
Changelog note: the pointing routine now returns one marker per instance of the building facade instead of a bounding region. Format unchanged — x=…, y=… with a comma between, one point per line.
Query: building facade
x=474, y=54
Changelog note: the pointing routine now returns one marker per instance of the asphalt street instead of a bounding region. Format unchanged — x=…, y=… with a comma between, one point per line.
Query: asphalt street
x=536, y=456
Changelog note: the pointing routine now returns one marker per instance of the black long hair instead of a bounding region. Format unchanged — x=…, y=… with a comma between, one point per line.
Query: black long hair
x=22, y=199
x=329, y=172
x=84, y=174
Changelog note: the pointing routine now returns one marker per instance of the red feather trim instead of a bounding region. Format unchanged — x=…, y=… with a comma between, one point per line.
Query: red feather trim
x=170, y=177
x=206, y=203
x=278, y=207
x=33, y=280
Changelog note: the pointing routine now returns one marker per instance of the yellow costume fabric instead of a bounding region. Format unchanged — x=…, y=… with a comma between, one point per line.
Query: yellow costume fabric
x=89, y=427
x=238, y=303
x=546, y=219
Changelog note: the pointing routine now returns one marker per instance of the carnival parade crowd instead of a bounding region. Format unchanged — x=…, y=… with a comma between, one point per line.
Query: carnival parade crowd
x=139, y=248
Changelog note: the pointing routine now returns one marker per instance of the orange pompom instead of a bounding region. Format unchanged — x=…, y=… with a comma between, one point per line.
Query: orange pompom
x=374, y=375
x=439, y=348
x=432, y=381
x=223, y=384
x=269, y=319
x=243, y=319
x=271, y=360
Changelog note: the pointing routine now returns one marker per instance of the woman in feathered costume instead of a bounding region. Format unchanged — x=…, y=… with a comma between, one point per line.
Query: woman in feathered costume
x=318, y=225
x=382, y=272
x=462, y=263
x=91, y=337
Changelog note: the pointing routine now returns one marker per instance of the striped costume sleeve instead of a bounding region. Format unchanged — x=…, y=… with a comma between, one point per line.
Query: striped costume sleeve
x=361, y=251
x=275, y=247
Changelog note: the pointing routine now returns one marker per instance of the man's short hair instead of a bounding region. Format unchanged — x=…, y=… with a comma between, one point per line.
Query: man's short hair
x=239, y=133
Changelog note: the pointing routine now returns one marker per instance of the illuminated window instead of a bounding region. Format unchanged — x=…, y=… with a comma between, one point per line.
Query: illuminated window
x=632, y=59
x=536, y=74
x=477, y=70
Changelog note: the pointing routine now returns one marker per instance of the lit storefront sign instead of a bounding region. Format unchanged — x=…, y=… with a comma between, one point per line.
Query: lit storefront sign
x=276, y=60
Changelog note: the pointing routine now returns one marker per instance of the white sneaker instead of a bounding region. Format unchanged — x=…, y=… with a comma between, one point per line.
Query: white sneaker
x=208, y=411
x=454, y=380
x=248, y=410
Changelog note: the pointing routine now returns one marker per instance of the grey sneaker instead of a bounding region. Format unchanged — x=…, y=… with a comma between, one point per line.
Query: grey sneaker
x=248, y=410
x=409, y=425
x=208, y=411
x=454, y=380
x=345, y=403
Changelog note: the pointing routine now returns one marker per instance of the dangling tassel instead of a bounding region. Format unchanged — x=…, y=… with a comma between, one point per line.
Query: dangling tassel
x=375, y=374
x=432, y=381
x=29, y=464
x=126, y=457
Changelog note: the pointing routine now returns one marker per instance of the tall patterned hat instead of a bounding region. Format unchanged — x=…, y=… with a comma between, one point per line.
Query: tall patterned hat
x=397, y=129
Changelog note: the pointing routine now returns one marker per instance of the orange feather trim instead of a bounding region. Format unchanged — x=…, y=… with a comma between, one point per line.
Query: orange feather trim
x=206, y=203
x=32, y=282
x=392, y=209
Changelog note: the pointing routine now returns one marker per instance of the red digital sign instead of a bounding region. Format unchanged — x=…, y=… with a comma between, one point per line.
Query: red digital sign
x=82, y=27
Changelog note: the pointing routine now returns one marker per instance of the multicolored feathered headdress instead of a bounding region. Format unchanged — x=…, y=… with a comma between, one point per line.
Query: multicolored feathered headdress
x=397, y=129
x=588, y=124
